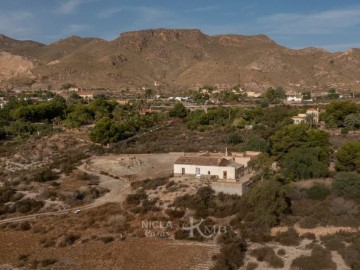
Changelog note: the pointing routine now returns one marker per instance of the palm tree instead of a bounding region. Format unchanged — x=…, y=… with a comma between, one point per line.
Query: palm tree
x=310, y=119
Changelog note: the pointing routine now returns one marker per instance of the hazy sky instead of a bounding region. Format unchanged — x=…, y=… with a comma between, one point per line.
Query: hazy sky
x=331, y=24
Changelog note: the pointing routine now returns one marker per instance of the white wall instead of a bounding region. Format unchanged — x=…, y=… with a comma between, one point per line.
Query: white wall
x=214, y=170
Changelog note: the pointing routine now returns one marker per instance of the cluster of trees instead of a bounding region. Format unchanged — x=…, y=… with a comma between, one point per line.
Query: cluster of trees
x=264, y=120
x=342, y=114
x=303, y=152
x=275, y=95
x=23, y=117
x=109, y=130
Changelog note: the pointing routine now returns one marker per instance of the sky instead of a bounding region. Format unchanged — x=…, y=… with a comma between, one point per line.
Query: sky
x=330, y=24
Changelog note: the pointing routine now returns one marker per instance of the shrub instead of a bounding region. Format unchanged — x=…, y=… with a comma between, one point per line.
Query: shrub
x=48, y=262
x=45, y=175
x=334, y=244
x=251, y=266
x=308, y=222
x=135, y=199
x=173, y=213
x=288, y=238
x=25, y=226
x=47, y=242
x=149, y=183
x=23, y=257
x=309, y=236
x=351, y=254
x=69, y=240
x=6, y=194
x=232, y=254
x=281, y=252
x=234, y=138
x=318, y=192
x=268, y=255
x=347, y=184
x=320, y=259
x=107, y=239
x=28, y=205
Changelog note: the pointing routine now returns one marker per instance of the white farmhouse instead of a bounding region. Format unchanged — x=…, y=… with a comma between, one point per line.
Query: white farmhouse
x=301, y=117
x=221, y=168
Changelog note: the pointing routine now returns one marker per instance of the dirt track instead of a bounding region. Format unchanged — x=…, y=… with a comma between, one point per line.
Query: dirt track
x=118, y=190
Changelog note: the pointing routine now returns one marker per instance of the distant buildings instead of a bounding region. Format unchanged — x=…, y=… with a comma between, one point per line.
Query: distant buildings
x=2, y=102
x=294, y=99
x=86, y=95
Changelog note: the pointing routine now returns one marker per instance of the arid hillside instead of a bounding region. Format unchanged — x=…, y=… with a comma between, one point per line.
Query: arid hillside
x=177, y=59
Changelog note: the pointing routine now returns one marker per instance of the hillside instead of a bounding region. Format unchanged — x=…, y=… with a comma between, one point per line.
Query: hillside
x=177, y=59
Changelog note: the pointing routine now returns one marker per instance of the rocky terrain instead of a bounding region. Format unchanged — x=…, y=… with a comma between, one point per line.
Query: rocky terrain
x=175, y=59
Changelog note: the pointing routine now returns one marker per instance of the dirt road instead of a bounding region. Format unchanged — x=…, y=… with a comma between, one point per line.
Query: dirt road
x=118, y=190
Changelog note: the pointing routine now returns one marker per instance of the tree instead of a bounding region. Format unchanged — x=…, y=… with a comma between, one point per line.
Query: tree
x=310, y=120
x=347, y=184
x=305, y=163
x=234, y=138
x=106, y=131
x=275, y=95
x=295, y=136
x=348, y=157
x=262, y=165
x=149, y=93
x=352, y=121
x=270, y=202
x=256, y=144
x=336, y=111
x=291, y=136
x=179, y=110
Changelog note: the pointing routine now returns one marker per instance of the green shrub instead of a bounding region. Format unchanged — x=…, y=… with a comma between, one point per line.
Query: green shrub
x=351, y=254
x=288, y=238
x=28, y=205
x=309, y=236
x=320, y=259
x=6, y=194
x=45, y=175
x=232, y=254
x=25, y=226
x=308, y=222
x=281, y=252
x=149, y=183
x=251, y=266
x=135, y=199
x=347, y=184
x=318, y=192
x=268, y=255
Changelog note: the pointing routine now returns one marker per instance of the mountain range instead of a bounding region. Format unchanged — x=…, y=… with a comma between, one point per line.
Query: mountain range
x=175, y=59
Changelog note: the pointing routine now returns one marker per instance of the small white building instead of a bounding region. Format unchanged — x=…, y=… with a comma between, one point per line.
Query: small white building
x=221, y=168
x=253, y=94
x=86, y=95
x=294, y=99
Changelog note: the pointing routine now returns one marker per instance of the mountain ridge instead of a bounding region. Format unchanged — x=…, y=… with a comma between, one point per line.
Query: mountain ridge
x=181, y=58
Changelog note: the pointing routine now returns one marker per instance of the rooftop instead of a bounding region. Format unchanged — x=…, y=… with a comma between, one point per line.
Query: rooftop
x=202, y=161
